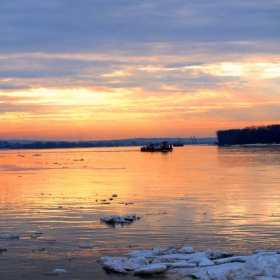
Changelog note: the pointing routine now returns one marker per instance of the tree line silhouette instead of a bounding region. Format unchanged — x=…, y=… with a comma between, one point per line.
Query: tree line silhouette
x=250, y=135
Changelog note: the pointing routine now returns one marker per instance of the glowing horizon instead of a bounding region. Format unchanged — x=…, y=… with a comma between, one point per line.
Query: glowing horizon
x=190, y=78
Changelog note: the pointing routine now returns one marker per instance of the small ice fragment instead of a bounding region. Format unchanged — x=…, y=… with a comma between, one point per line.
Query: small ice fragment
x=205, y=262
x=60, y=270
x=151, y=269
x=182, y=264
x=9, y=235
x=158, y=250
x=131, y=217
x=114, y=195
x=224, y=271
x=187, y=250
x=232, y=259
x=86, y=246
x=196, y=260
x=123, y=264
x=215, y=254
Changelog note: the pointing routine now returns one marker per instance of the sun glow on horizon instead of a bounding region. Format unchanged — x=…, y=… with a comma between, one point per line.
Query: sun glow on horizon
x=193, y=99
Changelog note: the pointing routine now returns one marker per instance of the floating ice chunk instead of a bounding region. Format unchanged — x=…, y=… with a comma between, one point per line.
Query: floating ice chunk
x=182, y=264
x=86, y=246
x=205, y=262
x=114, y=195
x=186, y=250
x=130, y=217
x=259, y=266
x=264, y=253
x=195, y=257
x=216, y=272
x=114, y=264
x=262, y=267
x=151, y=269
x=111, y=219
x=119, y=219
x=268, y=265
x=215, y=254
x=173, y=257
x=123, y=264
x=158, y=250
x=60, y=271
x=232, y=259
x=10, y=235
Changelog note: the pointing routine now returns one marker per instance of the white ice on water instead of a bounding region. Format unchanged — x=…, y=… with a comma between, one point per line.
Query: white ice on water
x=206, y=265
x=124, y=264
x=9, y=235
x=59, y=271
x=151, y=269
x=119, y=219
x=86, y=246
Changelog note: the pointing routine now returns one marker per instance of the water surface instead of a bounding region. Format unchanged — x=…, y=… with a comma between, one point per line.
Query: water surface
x=205, y=196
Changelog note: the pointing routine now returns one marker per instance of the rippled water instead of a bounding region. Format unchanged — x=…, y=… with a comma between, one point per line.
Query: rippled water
x=209, y=197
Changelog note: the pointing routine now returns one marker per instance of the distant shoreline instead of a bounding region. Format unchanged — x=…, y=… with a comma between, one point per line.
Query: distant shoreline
x=269, y=134
x=134, y=142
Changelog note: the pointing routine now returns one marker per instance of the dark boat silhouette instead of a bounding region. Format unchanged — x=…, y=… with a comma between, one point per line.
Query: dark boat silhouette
x=158, y=147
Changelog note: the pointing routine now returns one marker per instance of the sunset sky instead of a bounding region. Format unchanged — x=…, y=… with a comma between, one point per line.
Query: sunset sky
x=103, y=69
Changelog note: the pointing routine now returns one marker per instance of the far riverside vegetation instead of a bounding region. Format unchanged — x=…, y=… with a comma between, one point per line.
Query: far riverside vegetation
x=250, y=135
x=27, y=144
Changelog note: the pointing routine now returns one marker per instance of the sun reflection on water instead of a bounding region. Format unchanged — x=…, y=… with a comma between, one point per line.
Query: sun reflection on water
x=213, y=197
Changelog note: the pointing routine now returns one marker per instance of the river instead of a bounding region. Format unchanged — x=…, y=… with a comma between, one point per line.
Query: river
x=202, y=196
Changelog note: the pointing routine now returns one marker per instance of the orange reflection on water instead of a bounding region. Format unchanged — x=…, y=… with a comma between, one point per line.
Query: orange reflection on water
x=206, y=193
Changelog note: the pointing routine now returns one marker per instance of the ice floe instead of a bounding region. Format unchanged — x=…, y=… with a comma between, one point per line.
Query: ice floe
x=207, y=265
x=186, y=250
x=151, y=269
x=56, y=272
x=86, y=246
x=10, y=235
x=124, y=264
x=119, y=219
x=59, y=271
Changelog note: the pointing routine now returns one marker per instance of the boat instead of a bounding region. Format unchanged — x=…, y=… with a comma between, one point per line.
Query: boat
x=158, y=147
